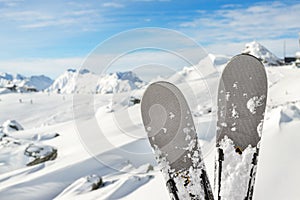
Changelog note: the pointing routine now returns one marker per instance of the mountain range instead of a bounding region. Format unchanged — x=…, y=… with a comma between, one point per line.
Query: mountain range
x=84, y=81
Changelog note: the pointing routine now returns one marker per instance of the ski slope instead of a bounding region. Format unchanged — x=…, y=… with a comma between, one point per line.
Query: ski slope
x=75, y=172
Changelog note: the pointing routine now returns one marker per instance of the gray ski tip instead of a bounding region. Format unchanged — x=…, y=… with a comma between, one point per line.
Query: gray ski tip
x=168, y=123
x=242, y=96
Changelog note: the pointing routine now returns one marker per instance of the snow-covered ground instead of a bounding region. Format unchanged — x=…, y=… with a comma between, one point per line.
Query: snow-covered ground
x=48, y=122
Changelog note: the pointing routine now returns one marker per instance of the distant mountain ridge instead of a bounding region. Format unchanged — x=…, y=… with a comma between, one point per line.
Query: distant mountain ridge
x=20, y=83
x=84, y=81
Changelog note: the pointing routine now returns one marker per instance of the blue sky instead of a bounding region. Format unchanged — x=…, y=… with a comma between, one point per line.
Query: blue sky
x=47, y=37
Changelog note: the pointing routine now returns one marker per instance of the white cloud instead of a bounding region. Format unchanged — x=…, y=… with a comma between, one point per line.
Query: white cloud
x=10, y=3
x=27, y=15
x=235, y=26
x=112, y=5
x=49, y=67
x=47, y=23
x=81, y=17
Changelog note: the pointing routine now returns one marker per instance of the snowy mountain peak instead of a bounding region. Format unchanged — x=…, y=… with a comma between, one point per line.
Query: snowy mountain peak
x=21, y=83
x=20, y=77
x=84, y=81
x=256, y=49
x=71, y=70
x=84, y=71
x=128, y=76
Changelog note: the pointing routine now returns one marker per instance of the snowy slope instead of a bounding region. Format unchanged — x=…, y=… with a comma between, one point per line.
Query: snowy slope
x=40, y=82
x=72, y=174
x=256, y=49
x=87, y=82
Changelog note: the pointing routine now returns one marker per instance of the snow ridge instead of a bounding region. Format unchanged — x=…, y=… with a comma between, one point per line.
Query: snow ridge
x=84, y=81
x=21, y=83
x=259, y=51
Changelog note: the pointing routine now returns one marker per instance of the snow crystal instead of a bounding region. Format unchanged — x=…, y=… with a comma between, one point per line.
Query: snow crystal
x=259, y=128
x=164, y=130
x=227, y=96
x=187, y=181
x=255, y=102
x=234, y=112
x=187, y=131
x=171, y=115
x=223, y=124
x=235, y=85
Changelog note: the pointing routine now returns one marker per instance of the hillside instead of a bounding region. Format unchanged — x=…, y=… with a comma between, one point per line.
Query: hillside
x=49, y=150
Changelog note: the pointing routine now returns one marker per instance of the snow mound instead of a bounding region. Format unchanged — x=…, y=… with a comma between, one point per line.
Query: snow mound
x=46, y=136
x=219, y=61
x=84, y=81
x=11, y=126
x=259, y=51
x=185, y=75
x=289, y=113
x=18, y=153
x=128, y=186
x=81, y=186
x=38, y=153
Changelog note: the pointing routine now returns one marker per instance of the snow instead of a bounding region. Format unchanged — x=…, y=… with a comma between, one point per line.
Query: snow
x=259, y=51
x=255, y=102
x=84, y=81
x=132, y=177
x=81, y=186
x=10, y=126
x=235, y=170
x=40, y=82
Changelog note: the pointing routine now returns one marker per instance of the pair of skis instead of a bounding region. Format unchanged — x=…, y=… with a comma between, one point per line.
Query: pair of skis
x=169, y=124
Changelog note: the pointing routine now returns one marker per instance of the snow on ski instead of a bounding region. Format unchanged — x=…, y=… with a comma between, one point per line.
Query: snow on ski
x=242, y=96
x=172, y=135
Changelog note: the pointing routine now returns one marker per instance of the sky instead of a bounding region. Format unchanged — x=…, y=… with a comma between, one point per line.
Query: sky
x=48, y=37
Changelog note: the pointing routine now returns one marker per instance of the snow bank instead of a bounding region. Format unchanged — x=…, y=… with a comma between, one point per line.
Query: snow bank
x=11, y=126
x=81, y=186
x=289, y=113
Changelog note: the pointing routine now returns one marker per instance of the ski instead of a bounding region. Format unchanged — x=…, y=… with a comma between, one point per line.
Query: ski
x=172, y=135
x=242, y=96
